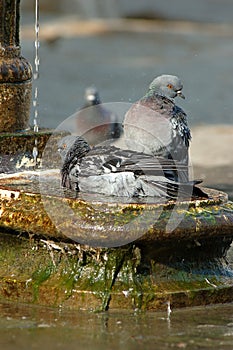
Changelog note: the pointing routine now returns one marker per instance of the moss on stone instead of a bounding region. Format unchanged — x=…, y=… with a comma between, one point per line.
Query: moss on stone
x=185, y=266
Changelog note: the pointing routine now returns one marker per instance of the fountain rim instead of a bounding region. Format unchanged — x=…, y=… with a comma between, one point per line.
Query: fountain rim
x=100, y=224
x=216, y=196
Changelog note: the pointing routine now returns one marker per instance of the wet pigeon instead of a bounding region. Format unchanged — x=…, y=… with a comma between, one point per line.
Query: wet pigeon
x=116, y=172
x=95, y=122
x=157, y=126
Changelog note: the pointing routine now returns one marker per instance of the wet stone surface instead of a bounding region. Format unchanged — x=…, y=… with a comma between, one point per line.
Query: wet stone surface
x=31, y=202
x=146, y=269
x=75, y=276
x=50, y=273
x=16, y=149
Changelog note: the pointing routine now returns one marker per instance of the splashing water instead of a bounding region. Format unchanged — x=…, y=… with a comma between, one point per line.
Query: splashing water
x=169, y=310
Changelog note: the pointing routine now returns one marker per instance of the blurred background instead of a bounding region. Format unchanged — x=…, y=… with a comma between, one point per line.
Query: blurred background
x=120, y=46
x=199, y=10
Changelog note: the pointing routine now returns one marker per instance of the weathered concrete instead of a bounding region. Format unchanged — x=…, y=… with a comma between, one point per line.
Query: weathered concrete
x=16, y=149
x=78, y=277
x=211, y=156
x=185, y=267
x=211, y=146
x=22, y=209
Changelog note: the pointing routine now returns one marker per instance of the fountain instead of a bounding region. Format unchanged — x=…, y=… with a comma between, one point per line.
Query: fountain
x=117, y=255
x=16, y=72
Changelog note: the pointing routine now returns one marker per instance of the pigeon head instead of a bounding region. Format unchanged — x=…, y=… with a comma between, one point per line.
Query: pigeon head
x=72, y=144
x=92, y=96
x=167, y=85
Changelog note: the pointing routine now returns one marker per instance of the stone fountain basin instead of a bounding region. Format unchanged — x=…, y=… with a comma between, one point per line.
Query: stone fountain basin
x=107, y=221
x=132, y=255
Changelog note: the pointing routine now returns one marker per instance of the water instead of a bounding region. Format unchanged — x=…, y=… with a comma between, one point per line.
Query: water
x=36, y=327
x=35, y=101
x=29, y=327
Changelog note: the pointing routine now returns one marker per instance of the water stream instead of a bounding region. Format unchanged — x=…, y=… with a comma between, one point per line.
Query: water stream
x=36, y=77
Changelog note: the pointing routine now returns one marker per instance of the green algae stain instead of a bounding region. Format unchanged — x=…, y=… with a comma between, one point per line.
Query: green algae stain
x=133, y=285
x=39, y=277
x=105, y=274
x=69, y=276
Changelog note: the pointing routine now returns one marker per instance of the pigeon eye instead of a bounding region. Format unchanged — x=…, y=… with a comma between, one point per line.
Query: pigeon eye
x=170, y=86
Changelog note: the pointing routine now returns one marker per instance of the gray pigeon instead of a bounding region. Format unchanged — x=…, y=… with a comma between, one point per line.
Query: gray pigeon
x=92, y=97
x=157, y=126
x=115, y=172
x=95, y=122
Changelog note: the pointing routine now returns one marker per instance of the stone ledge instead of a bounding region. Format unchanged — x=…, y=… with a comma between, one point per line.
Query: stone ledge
x=63, y=275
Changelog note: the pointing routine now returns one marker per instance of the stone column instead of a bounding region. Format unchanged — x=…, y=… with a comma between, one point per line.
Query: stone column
x=15, y=72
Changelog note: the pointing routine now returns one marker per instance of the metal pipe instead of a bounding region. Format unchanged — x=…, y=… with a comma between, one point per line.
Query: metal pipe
x=15, y=71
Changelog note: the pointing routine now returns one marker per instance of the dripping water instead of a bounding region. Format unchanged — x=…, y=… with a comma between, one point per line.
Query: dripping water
x=36, y=77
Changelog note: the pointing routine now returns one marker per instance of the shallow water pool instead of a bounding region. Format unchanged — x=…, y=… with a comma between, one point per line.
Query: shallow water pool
x=31, y=327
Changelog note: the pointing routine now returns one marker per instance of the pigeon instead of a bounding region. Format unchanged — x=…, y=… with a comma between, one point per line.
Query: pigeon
x=157, y=126
x=92, y=97
x=113, y=171
x=95, y=122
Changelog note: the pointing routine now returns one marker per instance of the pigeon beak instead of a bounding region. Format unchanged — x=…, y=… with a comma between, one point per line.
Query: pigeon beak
x=179, y=93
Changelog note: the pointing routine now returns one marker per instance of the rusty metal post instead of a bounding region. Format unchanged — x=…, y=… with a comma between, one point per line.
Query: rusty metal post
x=15, y=72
